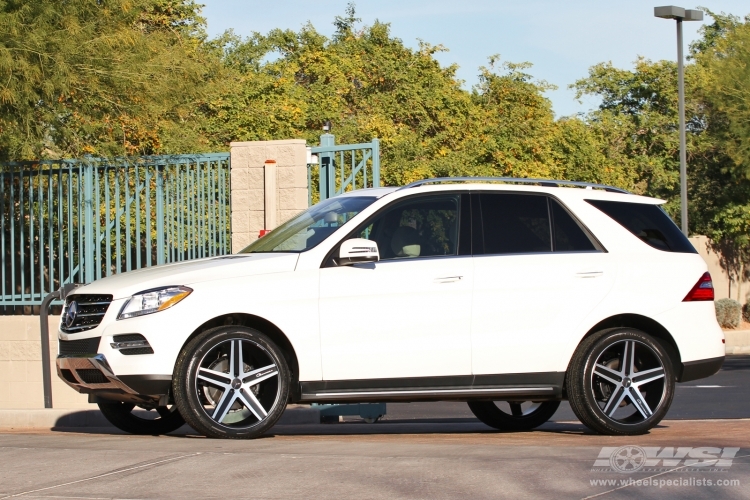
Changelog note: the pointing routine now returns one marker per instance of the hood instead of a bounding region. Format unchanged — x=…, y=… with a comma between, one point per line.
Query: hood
x=193, y=271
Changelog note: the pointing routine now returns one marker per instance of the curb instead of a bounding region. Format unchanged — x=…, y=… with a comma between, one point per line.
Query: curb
x=50, y=418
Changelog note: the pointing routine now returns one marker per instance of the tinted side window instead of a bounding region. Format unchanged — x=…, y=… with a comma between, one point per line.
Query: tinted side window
x=568, y=235
x=515, y=223
x=424, y=227
x=649, y=223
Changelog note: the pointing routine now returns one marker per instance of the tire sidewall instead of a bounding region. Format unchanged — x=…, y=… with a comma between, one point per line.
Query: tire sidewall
x=185, y=388
x=586, y=390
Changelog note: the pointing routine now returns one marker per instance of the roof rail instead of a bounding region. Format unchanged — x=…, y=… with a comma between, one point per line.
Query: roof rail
x=514, y=180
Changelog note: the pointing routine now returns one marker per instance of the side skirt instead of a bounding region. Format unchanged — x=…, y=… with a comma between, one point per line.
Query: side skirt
x=513, y=387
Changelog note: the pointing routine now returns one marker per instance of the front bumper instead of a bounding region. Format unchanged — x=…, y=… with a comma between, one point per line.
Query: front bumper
x=91, y=374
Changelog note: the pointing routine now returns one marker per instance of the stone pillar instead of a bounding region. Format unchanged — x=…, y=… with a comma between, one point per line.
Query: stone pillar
x=249, y=198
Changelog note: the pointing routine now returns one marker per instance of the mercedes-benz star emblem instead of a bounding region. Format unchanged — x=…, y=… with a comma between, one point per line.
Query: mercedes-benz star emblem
x=70, y=315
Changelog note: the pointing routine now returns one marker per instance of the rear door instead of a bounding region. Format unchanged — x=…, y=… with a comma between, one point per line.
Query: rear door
x=538, y=273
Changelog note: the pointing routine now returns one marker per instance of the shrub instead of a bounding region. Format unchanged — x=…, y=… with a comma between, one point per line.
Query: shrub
x=746, y=312
x=728, y=312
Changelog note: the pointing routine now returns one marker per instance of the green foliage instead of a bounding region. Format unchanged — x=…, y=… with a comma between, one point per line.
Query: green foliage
x=728, y=313
x=727, y=90
x=102, y=77
x=369, y=84
x=637, y=120
x=746, y=312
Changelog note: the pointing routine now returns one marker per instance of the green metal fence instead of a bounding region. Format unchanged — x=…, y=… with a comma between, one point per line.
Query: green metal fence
x=74, y=221
x=342, y=168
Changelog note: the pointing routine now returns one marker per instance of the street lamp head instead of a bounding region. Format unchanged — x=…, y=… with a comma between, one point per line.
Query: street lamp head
x=678, y=13
x=669, y=12
x=693, y=15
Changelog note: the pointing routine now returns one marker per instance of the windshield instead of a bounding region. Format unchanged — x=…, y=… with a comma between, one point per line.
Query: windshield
x=311, y=226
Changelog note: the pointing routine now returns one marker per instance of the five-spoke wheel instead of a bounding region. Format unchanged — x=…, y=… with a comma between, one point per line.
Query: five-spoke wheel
x=231, y=382
x=620, y=382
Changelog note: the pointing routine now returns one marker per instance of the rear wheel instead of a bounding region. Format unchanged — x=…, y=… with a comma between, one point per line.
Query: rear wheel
x=158, y=421
x=620, y=381
x=514, y=415
x=232, y=382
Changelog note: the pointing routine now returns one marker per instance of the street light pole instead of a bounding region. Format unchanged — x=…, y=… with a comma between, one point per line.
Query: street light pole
x=679, y=14
x=683, y=145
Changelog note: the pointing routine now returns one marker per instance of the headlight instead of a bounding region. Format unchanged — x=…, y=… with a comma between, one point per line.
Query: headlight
x=151, y=301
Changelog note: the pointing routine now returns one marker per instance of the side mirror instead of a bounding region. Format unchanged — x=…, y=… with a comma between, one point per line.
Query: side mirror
x=358, y=250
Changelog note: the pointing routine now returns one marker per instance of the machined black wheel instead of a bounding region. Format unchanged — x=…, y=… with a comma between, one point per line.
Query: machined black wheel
x=231, y=382
x=514, y=415
x=157, y=421
x=620, y=381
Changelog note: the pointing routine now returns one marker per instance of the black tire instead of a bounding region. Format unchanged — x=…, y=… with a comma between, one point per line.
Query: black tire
x=231, y=382
x=121, y=416
x=605, y=389
x=518, y=418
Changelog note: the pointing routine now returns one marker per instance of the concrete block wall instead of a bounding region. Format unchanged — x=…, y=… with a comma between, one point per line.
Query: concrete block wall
x=248, y=181
x=21, y=366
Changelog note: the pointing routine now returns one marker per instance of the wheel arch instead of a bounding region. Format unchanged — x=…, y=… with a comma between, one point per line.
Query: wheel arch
x=647, y=325
x=264, y=326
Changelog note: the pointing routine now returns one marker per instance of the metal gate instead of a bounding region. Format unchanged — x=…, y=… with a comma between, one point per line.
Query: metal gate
x=66, y=221
x=342, y=168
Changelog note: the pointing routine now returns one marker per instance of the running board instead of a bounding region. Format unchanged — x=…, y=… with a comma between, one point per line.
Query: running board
x=539, y=386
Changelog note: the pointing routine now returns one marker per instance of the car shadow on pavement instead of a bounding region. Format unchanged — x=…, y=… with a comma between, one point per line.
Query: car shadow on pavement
x=422, y=426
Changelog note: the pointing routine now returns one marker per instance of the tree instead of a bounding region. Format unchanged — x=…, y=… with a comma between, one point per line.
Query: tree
x=103, y=77
x=725, y=57
x=369, y=84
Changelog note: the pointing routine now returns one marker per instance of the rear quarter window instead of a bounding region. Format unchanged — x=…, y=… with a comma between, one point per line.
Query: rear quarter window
x=649, y=223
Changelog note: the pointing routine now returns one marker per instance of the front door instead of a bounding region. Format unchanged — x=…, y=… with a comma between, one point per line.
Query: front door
x=409, y=314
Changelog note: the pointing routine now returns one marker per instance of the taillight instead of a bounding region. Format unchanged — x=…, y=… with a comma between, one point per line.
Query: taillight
x=703, y=290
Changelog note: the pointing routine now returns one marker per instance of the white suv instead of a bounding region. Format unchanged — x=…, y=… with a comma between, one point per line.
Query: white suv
x=509, y=294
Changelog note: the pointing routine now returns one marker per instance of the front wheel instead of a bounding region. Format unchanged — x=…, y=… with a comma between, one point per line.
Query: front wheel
x=620, y=382
x=514, y=415
x=231, y=382
x=163, y=419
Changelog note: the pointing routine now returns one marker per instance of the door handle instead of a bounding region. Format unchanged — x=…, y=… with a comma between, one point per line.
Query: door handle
x=589, y=274
x=448, y=279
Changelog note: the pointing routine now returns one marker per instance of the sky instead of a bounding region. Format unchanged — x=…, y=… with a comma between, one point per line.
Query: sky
x=561, y=40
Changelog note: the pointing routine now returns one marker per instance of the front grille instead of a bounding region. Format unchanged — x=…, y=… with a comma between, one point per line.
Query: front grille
x=91, y=376
x=90, y=311
x=79, y=347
